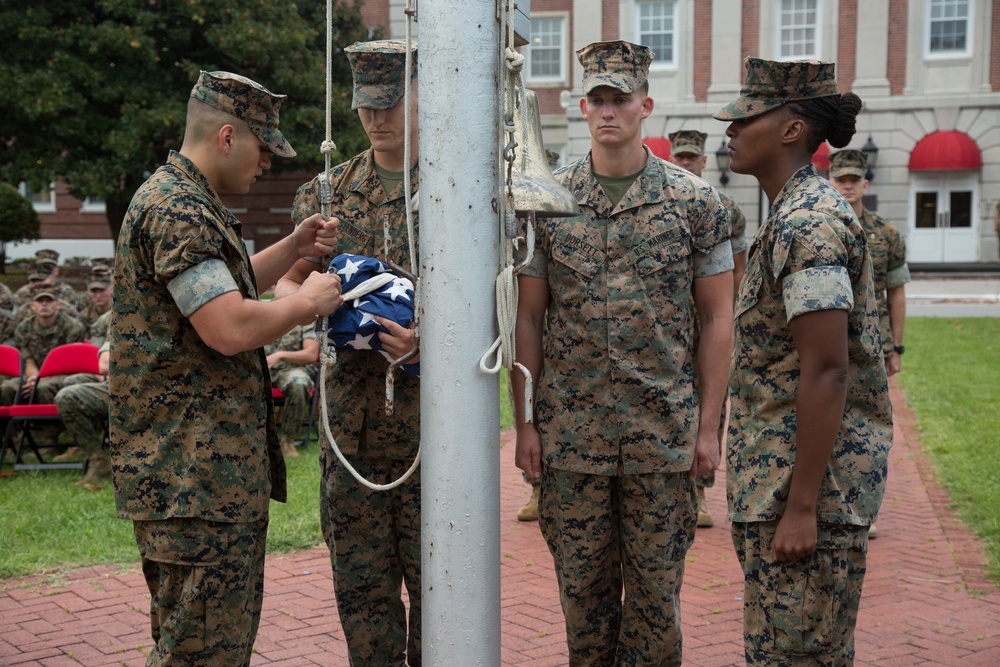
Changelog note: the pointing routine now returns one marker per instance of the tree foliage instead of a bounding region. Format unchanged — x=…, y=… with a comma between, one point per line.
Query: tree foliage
x=95, y=91
x=18, y=219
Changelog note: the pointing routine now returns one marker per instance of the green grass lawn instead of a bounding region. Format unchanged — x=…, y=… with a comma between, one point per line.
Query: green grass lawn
x=951, y=377
x=49, y=523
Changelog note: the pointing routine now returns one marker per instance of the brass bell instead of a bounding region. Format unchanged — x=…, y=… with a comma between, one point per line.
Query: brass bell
x=534, y=188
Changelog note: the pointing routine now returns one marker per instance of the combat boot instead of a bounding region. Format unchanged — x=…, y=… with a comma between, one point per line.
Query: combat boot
x=704, y=517
x=530, y=510
x=98, y=471
x=288, y=446
x=71, y=454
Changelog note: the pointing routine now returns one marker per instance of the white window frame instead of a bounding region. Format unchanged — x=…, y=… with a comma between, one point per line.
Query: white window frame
x=659, y=61
x=93, y=205
x=40, y=207
x=953, y=53
x=780, y=12
x=562, y=76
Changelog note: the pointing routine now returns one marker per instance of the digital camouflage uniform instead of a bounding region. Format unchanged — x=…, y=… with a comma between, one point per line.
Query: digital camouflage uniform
x=35, y=342
x=194, y=447
x=7, y=325
x=83, y=408
x=809, y=255
x=693, y=142
x=7, y=304
x=373, y=536
x=886, y=246
x=295, y=381
x=616, y=409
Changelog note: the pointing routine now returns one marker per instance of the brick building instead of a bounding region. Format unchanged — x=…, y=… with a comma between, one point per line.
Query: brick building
x=928, y=71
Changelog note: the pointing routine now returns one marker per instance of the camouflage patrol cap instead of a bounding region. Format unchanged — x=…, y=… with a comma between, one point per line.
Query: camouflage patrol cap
x=770, y=84
x=39, y=290
x=687, y=141
x=619, y=64
x=99, y=278
x=379, y=70
x=247, y=100
x=848, y=163
x=41, y=271
x=102, y=261
x=46, y=256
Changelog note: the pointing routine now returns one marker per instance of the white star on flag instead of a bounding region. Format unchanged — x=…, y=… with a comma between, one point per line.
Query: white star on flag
x=397, y=287
x=350, y=268
x=361, y=342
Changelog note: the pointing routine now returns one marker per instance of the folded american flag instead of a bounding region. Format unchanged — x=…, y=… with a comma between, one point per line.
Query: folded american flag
x=370, y=290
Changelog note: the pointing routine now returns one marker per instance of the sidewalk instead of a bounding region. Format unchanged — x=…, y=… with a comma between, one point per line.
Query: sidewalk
x=926, y=599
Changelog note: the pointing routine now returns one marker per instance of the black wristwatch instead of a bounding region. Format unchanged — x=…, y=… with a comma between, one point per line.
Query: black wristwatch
x=899, y=349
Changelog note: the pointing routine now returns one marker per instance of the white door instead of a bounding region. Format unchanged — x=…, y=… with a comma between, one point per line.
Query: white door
x=943, y=224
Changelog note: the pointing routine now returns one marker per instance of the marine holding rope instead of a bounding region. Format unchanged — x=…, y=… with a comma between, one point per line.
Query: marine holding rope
x=373, y=536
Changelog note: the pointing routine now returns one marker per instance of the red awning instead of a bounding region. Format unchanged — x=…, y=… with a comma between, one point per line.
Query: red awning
x=659, y=146
x=821, y=158
x=946, y=150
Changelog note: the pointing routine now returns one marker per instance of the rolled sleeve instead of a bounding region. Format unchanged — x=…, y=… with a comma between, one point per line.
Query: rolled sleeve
x=898, y=277
x=718, y=259
x=200, y=284
x=817, y=288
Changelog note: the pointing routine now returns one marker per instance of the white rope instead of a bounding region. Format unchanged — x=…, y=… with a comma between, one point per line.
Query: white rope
x=328, y=355
x=506, y=283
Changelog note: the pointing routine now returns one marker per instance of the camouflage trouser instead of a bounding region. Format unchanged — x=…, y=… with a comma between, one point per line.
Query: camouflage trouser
x=206, y=584
x=80, y=378
x=802, y=612
x=374, y=541
x=45, y=392
x=295, y=384
x=84, y=411
x=607, y=534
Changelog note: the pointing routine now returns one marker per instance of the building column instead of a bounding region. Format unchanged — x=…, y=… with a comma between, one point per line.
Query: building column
x=872, y=50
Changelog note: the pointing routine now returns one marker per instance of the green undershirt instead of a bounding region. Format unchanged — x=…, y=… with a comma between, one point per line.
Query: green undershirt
x=390, y=179
x=615, y=187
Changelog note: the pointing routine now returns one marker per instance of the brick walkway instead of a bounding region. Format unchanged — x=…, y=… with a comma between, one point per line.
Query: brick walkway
x=926, y=600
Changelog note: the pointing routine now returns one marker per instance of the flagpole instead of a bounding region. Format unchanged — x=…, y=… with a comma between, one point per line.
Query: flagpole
x=459, y=250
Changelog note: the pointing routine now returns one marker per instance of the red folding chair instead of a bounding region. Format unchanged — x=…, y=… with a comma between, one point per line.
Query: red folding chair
x=62, y=360
x=10, y=367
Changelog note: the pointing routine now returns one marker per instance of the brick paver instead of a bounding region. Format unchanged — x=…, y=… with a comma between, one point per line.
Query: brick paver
x=926, y=599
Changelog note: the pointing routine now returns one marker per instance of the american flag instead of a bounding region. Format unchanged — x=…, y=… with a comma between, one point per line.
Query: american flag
x=370, y=290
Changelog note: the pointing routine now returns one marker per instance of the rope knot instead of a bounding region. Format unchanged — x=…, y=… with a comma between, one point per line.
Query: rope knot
x=328, y=146
x=514, y=60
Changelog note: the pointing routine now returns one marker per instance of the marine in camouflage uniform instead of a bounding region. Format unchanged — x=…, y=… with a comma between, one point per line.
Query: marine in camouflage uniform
x=97, y=301
x=687, y=149
x=887, y=250
x=7, y=305
x=35, y=337
x=373, y=536
x=83, y=408
x=809, y=259
x=292, y=362
x=43, y=273
x=194, y=447
x=618, y=420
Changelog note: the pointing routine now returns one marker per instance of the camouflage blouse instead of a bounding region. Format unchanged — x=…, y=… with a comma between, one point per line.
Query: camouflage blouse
x=809, y=255
x=192, y=430
x=355, y=385
x=888, y=252
x=616, y=392
x=35, y=341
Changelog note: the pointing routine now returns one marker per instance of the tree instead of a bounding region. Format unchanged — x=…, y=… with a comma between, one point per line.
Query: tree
x=95, y=91
x=18, y=220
